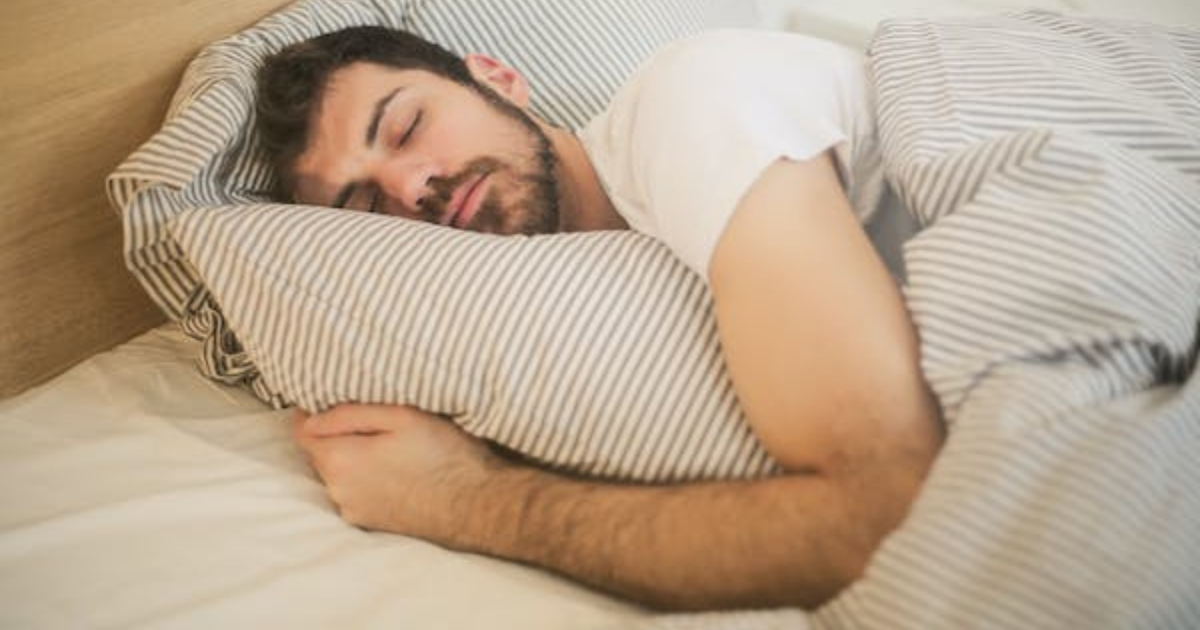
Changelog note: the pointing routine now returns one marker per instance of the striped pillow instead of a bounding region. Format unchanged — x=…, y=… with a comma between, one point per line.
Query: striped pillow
x=595, y=352
x=575, y=52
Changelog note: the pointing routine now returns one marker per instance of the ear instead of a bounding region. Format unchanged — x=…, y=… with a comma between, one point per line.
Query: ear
x=505, y=80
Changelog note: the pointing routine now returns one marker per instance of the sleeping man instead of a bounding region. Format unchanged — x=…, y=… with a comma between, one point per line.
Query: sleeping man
x=760, y=185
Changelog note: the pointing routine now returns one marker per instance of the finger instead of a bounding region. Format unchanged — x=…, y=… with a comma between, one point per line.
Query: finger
x=348, y=420
x=332, y=459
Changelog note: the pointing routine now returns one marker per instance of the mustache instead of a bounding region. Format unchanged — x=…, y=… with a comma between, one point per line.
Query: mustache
x=441, y=189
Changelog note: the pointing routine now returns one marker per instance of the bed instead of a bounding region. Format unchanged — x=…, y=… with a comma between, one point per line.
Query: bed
x=138, y=493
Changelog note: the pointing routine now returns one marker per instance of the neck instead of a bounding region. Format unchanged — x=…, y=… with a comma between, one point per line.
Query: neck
x=584, y=205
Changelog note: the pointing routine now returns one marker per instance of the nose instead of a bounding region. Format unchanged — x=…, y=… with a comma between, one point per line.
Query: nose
x=404, y=180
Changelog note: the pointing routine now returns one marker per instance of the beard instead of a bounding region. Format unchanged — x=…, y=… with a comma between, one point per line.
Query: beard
x=535, y=208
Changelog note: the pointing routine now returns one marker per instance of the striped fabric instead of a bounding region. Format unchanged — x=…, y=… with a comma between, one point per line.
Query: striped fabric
x=575, y=53
x=1055, y=164
x=596, y=353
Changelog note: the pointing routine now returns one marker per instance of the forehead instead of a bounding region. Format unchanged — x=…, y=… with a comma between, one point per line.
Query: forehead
x=347, y=85
x=338, y=128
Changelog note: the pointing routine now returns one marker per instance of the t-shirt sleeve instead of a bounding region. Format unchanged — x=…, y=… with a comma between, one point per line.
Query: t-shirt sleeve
x=709, y=121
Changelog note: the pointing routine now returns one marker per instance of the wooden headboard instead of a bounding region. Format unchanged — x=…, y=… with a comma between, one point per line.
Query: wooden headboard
x=82, y=84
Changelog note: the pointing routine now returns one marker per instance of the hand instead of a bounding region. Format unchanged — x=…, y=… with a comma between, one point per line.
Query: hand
x=396, y=469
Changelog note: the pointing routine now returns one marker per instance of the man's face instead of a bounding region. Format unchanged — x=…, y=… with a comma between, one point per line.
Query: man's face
x=413, y=144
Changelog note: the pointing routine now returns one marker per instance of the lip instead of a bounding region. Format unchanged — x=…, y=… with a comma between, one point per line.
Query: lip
x=465, y=202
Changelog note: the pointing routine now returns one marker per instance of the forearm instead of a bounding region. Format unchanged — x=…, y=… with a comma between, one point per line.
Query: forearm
x=790, y=540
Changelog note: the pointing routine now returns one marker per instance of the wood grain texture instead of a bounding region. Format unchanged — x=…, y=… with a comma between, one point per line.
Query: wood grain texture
x=82, y=84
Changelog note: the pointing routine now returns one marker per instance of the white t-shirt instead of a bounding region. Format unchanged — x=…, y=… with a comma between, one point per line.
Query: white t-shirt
x=697, y=124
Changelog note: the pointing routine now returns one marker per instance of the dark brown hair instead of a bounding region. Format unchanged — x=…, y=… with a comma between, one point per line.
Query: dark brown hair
x=292, y=82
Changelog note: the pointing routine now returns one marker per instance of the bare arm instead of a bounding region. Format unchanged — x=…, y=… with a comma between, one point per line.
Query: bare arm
x=767, y=542
x=829, y=380
x=819, y=345
x=763, y=543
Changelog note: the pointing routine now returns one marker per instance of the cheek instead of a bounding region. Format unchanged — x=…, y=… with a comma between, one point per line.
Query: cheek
x=492, y=135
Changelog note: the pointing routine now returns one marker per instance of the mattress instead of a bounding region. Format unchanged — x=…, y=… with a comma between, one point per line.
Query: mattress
x=138, y=494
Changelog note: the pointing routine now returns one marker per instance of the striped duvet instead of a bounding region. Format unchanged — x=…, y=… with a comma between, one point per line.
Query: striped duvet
x=1055, y=166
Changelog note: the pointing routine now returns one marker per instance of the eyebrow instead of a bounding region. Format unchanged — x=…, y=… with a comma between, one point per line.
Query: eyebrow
x=347, y=191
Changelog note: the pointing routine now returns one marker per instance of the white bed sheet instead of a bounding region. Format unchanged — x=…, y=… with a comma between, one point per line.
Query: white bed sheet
x=137, y=494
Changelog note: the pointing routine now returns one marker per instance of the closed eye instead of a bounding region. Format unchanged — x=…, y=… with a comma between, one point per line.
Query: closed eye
x=411, y=128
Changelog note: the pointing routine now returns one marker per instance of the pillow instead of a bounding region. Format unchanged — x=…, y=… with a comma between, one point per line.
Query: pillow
x=626, y=383
x=594, y=352
x=575, y=53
